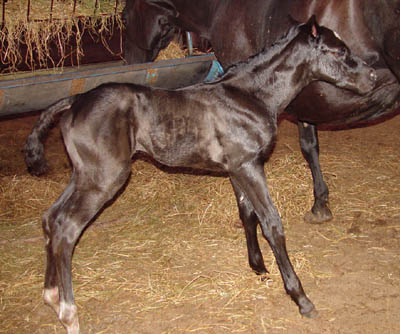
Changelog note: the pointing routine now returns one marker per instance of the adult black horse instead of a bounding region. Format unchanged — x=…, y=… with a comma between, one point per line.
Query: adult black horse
x=240, y=28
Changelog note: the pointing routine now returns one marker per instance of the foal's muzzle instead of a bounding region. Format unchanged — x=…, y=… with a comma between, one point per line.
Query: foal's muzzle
x=367, y=81
x=373, y=76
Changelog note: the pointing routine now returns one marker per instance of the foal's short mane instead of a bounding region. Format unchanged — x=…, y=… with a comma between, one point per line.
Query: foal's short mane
x=267, y=52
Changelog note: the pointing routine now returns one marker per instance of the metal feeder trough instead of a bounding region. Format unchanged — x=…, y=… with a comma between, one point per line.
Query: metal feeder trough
x=21, y=93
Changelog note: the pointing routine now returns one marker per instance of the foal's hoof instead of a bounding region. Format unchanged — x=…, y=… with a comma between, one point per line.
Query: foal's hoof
x=321, y=216
x=313, y=313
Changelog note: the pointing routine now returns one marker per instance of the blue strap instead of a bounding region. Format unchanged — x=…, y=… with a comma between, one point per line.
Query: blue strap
x=216, y=71
x=189, y=42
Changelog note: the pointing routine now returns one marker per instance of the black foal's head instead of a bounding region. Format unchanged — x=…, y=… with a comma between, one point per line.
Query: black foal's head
x=332, y=61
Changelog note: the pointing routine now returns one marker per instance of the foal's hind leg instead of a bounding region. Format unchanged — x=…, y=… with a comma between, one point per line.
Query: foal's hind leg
x=310, y=148
x=63, y=225
x=250, y=222
x=51, y=293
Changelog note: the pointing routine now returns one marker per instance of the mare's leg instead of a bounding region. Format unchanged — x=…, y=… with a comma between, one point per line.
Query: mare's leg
x=250, y=178
x=63, y=224
x=310, y=148
x=250, y=222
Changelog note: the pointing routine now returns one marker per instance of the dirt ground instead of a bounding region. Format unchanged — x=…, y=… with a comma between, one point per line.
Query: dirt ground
x=167, y=257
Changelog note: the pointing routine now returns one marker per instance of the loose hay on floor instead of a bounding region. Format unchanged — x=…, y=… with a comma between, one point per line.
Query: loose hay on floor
x=166, y=254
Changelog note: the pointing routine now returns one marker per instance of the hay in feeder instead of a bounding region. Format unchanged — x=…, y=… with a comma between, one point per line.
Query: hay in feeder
x=40, y=33
x=173, y=50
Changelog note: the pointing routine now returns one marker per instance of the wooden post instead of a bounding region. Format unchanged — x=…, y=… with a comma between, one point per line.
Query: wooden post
x=51, y=10
x=3, y=23
x=73, y=11
x=28, y=10
x=116, y=6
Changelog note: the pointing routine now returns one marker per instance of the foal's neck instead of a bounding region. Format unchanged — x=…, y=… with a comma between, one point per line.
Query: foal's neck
x=275, y=78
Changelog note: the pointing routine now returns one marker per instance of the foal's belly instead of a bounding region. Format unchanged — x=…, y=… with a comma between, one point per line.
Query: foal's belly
x=323, y=103
x=182, y=142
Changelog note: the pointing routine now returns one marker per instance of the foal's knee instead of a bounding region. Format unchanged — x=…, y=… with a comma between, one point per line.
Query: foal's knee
x=247, y=216
x=272, y=228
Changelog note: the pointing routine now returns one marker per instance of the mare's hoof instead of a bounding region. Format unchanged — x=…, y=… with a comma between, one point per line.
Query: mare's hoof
x=318, y=217
x=311, y=314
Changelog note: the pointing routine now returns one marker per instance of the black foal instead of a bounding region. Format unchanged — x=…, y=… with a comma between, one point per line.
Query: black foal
x=229, y=126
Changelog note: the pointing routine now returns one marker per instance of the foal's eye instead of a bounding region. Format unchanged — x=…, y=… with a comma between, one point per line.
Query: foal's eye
x=340, y=53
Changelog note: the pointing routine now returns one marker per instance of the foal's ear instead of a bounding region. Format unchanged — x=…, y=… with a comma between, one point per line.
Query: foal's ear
x=312, y=23
x=292, y=21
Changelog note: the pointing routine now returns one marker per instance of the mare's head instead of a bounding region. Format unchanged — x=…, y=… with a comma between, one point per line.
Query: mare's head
x=148, y=28
x=331, y=60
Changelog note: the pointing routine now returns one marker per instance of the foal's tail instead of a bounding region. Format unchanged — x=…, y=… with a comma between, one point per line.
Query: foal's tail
x=34, y=149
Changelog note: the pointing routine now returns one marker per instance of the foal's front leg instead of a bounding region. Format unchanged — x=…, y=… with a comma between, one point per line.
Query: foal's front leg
x=250, y=178
x=308, y=136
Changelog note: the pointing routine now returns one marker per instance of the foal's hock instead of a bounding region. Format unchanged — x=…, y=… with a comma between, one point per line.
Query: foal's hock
x=229, y=125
